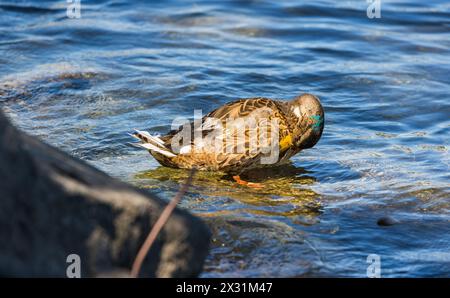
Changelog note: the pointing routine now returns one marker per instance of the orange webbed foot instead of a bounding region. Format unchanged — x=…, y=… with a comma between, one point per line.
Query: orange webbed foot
x=246, y=183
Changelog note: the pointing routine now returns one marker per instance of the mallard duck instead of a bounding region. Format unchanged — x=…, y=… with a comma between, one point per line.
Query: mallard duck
x=241, y=135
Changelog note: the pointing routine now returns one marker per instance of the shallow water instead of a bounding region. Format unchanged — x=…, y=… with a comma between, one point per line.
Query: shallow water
x=82, y=84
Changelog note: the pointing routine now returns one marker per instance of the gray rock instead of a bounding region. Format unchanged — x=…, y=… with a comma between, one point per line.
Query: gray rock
x=53, y=205
x=386, y=221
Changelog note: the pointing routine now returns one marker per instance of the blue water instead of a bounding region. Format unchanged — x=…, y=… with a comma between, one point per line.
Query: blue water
x=82, y=84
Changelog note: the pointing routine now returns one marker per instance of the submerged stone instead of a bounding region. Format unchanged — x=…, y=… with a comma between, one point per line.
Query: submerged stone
x=387, y=221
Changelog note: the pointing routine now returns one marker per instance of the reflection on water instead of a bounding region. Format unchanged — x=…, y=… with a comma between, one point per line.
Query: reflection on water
x=83, y=84
x=247, y=223
x=282, y=195
x=243, y=247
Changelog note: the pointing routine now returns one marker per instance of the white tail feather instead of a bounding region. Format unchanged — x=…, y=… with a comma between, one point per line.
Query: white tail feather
x=152, y=147
x=156, y=144
x=152, y=138
x=134, y=136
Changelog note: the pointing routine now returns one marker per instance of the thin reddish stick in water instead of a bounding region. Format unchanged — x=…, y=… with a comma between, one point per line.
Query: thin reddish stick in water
x=143, y=251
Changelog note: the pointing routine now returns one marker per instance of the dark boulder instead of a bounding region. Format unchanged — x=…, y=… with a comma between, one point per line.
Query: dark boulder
x=53, y=205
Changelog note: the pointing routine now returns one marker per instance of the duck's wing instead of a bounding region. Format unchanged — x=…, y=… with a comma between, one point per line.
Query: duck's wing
x=258, y=107
x=242, y=122
x=241, y=118
x=242, y=108
x=238, y=117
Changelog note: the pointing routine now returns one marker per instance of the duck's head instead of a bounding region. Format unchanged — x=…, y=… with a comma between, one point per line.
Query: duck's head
x=309, y=117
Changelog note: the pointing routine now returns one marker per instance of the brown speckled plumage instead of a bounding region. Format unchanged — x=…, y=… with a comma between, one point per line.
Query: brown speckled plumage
x=300, y=125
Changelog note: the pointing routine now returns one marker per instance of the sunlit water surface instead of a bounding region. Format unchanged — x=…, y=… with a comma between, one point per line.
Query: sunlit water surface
x=82, y=84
